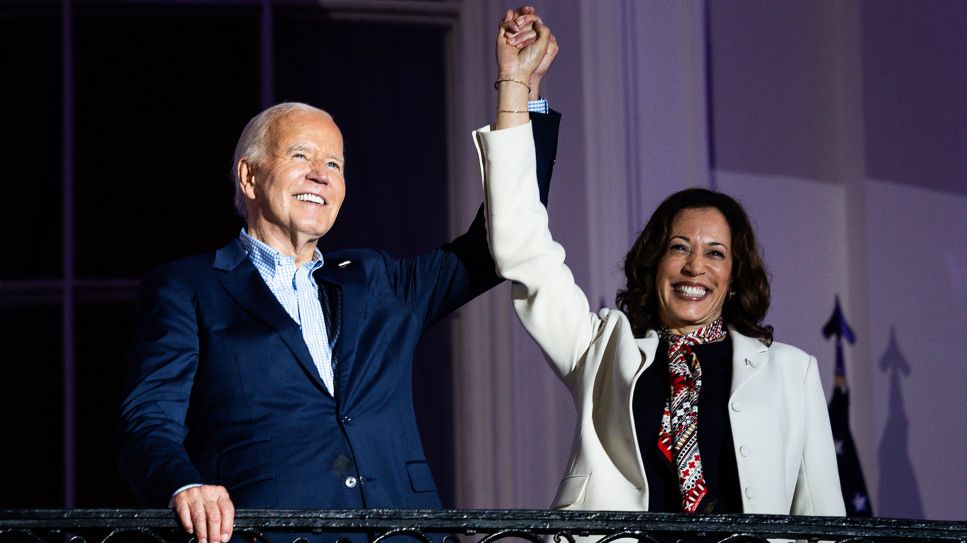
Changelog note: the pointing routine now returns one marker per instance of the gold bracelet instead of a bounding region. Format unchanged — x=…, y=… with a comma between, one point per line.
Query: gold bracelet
x=511, y=80
x=512, y=111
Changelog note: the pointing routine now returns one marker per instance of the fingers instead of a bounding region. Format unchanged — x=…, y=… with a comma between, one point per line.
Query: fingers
x=523, y=38
x=228, y=517
x=520, y=24
x=199, y=516
x=543, y=67
x=543, y=35
x=207, y=512
x=184, y=516
x=552, y=48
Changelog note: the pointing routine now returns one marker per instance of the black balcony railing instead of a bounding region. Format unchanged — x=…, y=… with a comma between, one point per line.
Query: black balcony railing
x=383, y=525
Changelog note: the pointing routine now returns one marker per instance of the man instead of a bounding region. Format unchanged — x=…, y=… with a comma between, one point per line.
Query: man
x=269, y=375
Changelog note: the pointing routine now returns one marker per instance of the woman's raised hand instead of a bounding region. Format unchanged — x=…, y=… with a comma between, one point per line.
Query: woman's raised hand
x=525, y=50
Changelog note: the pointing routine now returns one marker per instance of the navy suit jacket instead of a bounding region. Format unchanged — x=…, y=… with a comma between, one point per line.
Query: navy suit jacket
x=221, y=388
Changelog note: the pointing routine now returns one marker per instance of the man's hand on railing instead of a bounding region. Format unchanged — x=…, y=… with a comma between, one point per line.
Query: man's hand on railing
x=205, y=511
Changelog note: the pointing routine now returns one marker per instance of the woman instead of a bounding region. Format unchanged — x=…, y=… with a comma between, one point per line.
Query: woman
x=685, y=402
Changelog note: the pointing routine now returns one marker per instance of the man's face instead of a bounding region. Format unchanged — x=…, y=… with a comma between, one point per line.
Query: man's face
x=295, y=192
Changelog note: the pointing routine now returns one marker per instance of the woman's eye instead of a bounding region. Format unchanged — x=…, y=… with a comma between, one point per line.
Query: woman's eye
x=716, y=253
x=678, y=248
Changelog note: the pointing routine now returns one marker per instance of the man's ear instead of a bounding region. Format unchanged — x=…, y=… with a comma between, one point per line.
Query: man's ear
x=246, y=177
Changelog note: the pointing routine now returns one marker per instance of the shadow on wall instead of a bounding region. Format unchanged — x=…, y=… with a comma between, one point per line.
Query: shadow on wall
x=899, y=491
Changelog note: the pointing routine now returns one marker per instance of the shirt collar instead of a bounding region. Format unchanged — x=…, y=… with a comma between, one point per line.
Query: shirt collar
x=266, y=257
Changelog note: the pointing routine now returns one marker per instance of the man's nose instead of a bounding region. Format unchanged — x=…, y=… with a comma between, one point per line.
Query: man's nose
x=318, y=173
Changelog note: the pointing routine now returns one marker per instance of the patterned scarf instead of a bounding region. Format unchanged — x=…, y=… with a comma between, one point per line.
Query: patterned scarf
x=678, y=436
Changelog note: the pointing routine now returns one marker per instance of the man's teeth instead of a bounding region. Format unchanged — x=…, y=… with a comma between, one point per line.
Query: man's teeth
x=689, y=290
x=310, y=198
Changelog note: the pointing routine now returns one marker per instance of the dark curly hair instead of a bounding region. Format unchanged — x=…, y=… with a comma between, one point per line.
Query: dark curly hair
x=744, y=311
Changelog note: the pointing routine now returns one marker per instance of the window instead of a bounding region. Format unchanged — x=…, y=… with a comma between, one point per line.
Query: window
x=145, y=101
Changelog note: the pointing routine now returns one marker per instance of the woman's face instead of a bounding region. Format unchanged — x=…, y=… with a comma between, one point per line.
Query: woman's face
x=695, y=270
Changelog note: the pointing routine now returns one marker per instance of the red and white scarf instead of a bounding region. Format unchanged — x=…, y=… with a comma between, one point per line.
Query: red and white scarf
x=678, y=436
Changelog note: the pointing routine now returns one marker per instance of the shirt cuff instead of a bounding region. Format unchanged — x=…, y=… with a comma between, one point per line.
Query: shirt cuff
x=538, y=106
x=171, y=502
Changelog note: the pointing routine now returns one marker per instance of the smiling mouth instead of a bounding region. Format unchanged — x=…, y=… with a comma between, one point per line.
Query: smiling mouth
x=311, y=198
x=691, y=291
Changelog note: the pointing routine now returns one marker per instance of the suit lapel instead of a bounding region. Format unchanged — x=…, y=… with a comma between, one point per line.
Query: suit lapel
x=248, y=289
x=748, y=357
x=346, y=289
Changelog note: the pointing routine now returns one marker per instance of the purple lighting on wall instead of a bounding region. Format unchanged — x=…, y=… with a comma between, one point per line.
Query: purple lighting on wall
x=709, y=101
x=629, y=58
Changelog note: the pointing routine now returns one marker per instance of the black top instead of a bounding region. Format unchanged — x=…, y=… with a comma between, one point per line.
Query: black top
x=714, y=431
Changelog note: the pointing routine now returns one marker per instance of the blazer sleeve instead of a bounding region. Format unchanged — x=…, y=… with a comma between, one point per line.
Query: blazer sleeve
x=439, y=282
x=162, y=362
x=553, y=309
x=818, y=490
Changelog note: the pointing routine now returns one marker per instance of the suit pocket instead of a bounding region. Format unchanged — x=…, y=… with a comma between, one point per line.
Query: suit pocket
x=572, y=491
x=245, y=464
x=421, y=480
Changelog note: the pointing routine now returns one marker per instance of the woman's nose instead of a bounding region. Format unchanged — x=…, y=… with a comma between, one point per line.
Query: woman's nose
x=693, y=265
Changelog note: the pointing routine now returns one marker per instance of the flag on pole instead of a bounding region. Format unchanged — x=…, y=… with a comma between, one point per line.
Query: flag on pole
x=851, y=480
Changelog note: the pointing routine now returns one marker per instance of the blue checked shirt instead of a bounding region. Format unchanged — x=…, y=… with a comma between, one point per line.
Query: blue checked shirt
x=297, y=291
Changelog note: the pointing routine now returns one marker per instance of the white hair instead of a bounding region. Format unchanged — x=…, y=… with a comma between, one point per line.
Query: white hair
x=252, y=144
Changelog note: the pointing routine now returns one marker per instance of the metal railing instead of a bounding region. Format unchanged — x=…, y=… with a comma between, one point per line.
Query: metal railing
x=484, y=526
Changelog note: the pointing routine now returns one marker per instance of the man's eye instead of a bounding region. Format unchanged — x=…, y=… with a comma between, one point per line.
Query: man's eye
x=333, y=164
x=300, y=156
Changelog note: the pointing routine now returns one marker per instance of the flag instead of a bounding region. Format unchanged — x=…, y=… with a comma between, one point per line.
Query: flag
x=851, y=480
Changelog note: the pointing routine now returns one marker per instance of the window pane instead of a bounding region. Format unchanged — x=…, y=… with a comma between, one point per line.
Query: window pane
x=31, y=407
x=385, y=85
x=30, y=57
x=103, y=332
x=162, y=94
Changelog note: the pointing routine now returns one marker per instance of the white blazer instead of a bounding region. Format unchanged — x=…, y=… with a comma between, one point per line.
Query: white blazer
x=780, y=426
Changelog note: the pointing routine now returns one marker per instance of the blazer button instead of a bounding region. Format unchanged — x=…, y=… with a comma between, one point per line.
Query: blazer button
x=351, y=482
x=347, y=419
x=749, y=492
x=745, y=450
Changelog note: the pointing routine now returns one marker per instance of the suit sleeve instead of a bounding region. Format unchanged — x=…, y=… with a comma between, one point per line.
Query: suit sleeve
x=441, y=281
x=553, y=309
x=162, y=362
x=818, y=490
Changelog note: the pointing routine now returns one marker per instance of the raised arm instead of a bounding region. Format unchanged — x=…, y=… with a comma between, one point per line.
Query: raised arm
x=550, y=305
x=440, y=281
x=518, y=63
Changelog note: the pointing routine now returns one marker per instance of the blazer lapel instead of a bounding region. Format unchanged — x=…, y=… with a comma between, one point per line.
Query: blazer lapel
x=749, y=355
x=346, y=291
x=246, y=287
x=648, y=346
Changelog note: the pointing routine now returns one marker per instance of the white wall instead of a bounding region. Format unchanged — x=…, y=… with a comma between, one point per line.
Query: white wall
x=918, y=277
